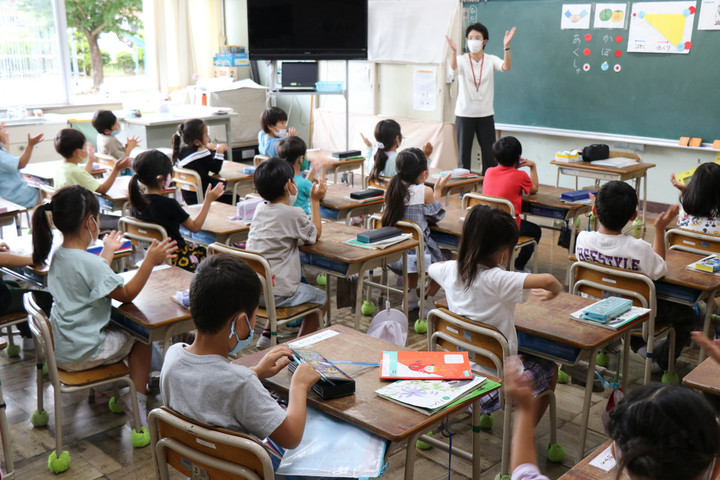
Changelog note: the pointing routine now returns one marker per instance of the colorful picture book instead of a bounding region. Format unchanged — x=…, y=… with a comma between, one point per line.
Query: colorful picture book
x=431, y=396
x=425, y=365
x=631, y=317
x=97, y=247
x=709, y=264
x=334, y=382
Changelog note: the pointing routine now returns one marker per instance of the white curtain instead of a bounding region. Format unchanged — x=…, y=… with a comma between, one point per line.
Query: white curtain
x=181, y=38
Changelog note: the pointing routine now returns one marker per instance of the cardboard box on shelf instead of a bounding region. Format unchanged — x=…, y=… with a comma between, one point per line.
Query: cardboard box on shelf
x=231, y=60
x=235, y=73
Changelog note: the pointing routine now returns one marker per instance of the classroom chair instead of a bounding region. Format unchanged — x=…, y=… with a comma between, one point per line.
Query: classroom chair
x=488, y=348
x=5, y=437
x=138, y=231
x=382, y=183
x=691, y=241
x=600, y=281
x=7, y=321
x=277, y=316
x=69, y=382
x=202, y=451
x=258, y=159
x=46, y=193
x=105, y=160
x=472, y=199
x=375, y=222
x=188, y=180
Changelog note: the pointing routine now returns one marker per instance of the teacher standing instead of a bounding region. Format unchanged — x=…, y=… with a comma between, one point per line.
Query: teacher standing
x=476, y=88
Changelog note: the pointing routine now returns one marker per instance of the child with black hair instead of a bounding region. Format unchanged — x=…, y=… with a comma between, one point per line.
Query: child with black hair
x=200, y=382
x=509, y=182
x=73, y=147
x=12, y=185
x=479, y=289
x=154, y=170
x=273, y=123
x=700, y=200
x=615, y=205
x=276, y=231
x=293, y=150
x=83, y=285
x=192, y=149
x=108, y=127
x=387, y=140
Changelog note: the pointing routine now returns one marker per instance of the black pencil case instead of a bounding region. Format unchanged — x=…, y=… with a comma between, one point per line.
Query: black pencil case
x=369, y=193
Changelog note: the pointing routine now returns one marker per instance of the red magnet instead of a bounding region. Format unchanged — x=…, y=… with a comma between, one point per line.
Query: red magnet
x=618, y=39
x=588, y=37
x=618, y=53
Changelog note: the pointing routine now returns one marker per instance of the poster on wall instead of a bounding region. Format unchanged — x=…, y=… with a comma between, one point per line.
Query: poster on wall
x=610, y=15
x=575, y=16
x=661, y=27
x=424, y=96
x=709, y=18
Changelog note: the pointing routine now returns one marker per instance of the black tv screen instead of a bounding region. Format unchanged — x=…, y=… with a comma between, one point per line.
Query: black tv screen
x=307, y=29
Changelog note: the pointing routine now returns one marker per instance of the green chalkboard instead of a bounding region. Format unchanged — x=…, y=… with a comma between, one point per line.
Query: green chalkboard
x=653, y=95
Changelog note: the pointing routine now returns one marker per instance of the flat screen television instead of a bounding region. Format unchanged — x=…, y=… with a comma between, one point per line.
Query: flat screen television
x=307, y=29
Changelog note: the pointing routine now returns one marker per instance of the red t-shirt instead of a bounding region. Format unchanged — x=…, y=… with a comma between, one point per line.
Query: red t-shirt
x=509, y=183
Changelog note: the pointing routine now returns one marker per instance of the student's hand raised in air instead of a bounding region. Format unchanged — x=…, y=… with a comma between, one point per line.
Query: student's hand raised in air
x=274, y=360
x=677, y=184
x=113, y=240
x=305, y=376
x=451, y=42
x=367, y=142
x=712, y=347
x=132, y=142
x=32, y=141
x=159, y=252
x=509, y=34
x=664, y=219
x=212, y=194
x=121, y=165
x=292, y=131
x=319, y=189
x=427, y=149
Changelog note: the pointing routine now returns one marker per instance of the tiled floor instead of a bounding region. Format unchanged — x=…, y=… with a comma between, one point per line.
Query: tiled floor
x=99, y=441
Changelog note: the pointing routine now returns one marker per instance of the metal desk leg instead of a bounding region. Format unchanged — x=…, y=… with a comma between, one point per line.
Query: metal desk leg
x=625, y=360
x=7, y=446
x=476, y=440
x=410, y=456
x=586, y=405
x=710, y=308
x=228, y=139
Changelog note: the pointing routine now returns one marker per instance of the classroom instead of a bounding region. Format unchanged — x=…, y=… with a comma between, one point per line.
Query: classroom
x=438, y=238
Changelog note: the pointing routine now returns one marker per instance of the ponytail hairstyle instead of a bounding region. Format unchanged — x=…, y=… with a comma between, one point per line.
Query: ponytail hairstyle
x=70, y=206
x=411, y=162
x=386, y=132
x=486, y=231
x=701, y=198
x=151, y=169
x=187, y=132
x=664, y=432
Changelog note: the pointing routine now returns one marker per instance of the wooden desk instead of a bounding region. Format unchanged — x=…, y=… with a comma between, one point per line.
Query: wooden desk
x=705, y=377
x=585, y=471
x=236, y=180
x=365, y=409
x=117, y=197
x=10, y=214
x=217, y=227
x=334, y=165
x=153, y=316
x=336, y=258
x=637, y=172
x=157, y=129
x=454, y=185
x=43, y=173
x=687, y=287
x=338, y=206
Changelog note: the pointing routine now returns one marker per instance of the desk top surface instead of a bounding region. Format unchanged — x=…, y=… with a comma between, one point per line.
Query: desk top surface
x=550, y=197
x=678, y=274
x=452, y=223
x=153, y=306
x=584, y=471
x=330, y=161
x=217, y=221
x=364, y=409
x=233, y=171
x=337, y=195
x=331, y=245
x=705, y=377
x=203, y=113
x=119, y=190
x=582, y=165
x=453, y=182
x=46, y=170
x=10, y=207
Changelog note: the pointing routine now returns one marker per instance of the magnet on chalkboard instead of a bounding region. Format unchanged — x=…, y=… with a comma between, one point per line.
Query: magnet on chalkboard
x=684, y=141
x=695, y=142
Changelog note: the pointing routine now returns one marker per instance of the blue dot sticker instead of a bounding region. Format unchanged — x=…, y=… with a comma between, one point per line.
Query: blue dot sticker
x=641, y=14
x=681, y=47
x=604, y=66
x=686, y=12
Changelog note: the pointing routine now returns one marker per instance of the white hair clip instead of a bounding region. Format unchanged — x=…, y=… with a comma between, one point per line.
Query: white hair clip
x=378, y=145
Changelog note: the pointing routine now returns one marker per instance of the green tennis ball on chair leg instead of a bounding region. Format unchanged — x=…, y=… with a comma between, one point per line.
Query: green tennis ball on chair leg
x=13, y=350
x=555, y=453
x=140, y=439
x=59, y=464
x=562, y=377
x=321, y=280
x=45, y=369
x=40, y=419
x=602, y=359
x=670, y=378
x=487, y=420
x=500, y=476
x=368, y=307
x=114, y=405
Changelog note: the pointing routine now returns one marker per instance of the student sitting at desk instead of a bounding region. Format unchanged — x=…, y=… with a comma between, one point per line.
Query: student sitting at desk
x=700, y=200
x=616, y=205
x=154, y=170
x=107, y=126
x=293, y=150
x=509, y=182
x=388, y=138
x=477, y=288
x=199, y=381
x=274, y=127
x=275, y=232
x=12, y=185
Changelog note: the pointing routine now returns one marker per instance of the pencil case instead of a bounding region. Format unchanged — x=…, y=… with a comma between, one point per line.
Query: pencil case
x=369, y=193
x=607, y=309
x=372, y=236
x=182, y=297
x=576, y=195
x=347, y=154
x=334, y=383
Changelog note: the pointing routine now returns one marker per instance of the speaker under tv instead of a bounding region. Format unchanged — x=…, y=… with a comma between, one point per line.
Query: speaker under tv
x=307, y=29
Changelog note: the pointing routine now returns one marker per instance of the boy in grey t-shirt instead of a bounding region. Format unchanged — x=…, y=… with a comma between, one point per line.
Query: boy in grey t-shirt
x=276, y=231
x=200, y=382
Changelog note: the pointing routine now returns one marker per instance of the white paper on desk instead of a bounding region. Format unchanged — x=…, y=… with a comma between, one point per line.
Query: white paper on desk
x=313, y=339
x=605, y=461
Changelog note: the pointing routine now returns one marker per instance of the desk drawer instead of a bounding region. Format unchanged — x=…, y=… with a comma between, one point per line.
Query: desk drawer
x=545, y=211
x=676, y=293
x=544, y=347
x=445, y=238
x=330, y=213
x=324, y=263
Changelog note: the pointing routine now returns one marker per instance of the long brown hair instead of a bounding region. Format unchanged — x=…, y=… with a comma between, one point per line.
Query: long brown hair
x=386, y=132
x=411, y=162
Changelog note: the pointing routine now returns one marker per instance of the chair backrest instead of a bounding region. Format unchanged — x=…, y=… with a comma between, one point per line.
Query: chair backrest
x=137, y=230
x=382, y=183
x=258, y=263
x=454, y=333
x=105, y=160
x=693, y=242
x=201, y=451
x=42, y=334
x=188, y=180
x=472, y=199
x=46, y=193
x=258, y=159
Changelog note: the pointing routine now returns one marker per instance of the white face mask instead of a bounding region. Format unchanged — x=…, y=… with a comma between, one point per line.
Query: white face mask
x=281, y=133
x=475, y=45
x=293, y=196
x=93, y=238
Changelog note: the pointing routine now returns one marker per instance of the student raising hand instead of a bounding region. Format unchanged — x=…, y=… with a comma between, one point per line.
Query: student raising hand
x=214, y=193
x=318, y=190
x=367, y=142
x=159, y=252
x=711, y=347
x=111, y=242
x=427, y=149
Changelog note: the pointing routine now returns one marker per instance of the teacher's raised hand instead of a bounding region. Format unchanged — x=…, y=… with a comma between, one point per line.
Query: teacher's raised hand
x=509, y=34
x=453, y=45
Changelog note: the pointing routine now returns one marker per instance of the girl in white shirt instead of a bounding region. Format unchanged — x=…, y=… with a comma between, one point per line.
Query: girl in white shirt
x=477, y=288
x=700, y=200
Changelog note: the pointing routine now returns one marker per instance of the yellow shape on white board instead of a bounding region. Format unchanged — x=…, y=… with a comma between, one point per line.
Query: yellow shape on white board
x=670, y=25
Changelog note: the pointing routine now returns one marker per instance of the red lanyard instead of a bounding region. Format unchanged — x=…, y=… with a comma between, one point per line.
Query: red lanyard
x=482, y=63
